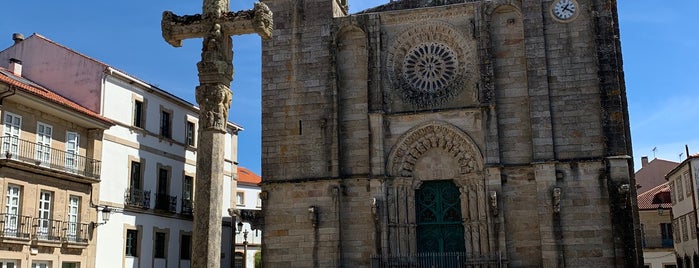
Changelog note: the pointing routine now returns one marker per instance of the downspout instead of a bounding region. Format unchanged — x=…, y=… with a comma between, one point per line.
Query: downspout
x=7, y=93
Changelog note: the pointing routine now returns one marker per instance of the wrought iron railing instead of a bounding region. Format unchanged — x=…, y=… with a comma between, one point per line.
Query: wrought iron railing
x=186, y=207
x=137, y=198
x=47, y=229
x=430, y=260
x=166, y=202
x=42, y=155
x=15, y=226
x=76, y=233
x=26, y=228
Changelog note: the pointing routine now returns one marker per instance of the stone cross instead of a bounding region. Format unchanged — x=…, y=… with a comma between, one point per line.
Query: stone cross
x=216, y=25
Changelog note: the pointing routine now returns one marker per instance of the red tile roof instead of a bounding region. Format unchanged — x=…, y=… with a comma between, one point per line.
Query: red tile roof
x=658, y=195
x=247, y=176
x=7, y=77
x=653, y=174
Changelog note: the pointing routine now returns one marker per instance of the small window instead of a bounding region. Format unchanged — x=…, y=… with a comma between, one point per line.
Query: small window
x=185, y=247
x=135, y=183
x=138, y=113
x=190, y=134
x=132, y=243
x=165, y=124
x=240, y=198
x=159, y=245
x=259, y=201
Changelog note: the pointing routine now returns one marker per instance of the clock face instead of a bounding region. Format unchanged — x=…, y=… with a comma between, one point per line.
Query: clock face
x=564, y=9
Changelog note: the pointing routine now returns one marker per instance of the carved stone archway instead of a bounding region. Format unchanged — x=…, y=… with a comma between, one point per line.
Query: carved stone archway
x=435, y=151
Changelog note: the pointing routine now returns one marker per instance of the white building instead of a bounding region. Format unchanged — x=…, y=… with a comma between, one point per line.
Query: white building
x=683, y=189
x=149, y=156
x=248, y=239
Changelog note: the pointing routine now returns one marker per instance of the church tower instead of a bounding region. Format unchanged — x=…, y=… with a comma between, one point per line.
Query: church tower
x=450, y=132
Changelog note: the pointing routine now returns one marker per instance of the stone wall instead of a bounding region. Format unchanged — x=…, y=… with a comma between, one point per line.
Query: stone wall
x=525, y=113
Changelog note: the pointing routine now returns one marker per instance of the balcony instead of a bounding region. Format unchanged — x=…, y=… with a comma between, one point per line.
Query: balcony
x=16, y=227
x=166, y=202
x=47, y=230
x=137, y=198
x=186, y=207
x=22, y=229
x=27, y=152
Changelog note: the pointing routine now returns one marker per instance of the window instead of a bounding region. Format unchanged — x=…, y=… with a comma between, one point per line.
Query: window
x=672, y=193
x=135, y=183
x=676, y=230
x=9, y=263
x=688, y=186
x=165, y=124
x=12, y=203
x=238, y=260
x=41, y=264
x=259, y=201
x=163, y=176
x=666, y=234
x=138, y=114
x=10, y=140
x=163, y=200
x=189, y=136
x=159, y=245
x=187, y=196
x=185, y=247
x=44, y=228
x=692, y=224
x=132, y=243
x=43, y=143
x=685, y=233
x=240, y=198
x=73, y=218
x=680, y=190
x=72, y=147
x=70, y=265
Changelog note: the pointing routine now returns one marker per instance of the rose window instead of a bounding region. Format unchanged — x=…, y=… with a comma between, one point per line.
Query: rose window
x=429, y=67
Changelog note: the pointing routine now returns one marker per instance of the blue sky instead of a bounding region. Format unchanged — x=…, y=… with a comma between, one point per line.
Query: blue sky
x=660, y=46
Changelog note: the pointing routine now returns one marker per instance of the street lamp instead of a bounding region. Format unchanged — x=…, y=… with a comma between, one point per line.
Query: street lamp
x=106, y=213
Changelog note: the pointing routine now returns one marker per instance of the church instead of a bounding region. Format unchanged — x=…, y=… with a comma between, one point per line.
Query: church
x=447, y=133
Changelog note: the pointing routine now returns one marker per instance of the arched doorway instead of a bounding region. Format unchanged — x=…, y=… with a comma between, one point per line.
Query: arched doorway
x=438, y=215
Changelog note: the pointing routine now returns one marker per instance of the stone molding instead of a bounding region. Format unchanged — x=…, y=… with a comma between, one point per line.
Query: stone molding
x=435, y=134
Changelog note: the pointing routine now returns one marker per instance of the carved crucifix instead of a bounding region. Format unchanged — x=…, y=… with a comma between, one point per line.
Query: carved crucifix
x=216, y=25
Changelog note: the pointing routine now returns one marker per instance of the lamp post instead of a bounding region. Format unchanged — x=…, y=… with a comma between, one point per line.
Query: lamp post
x=106, y=213
x=245, y=249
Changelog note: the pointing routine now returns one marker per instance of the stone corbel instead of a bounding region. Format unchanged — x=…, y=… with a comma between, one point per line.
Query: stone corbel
x=313, y=215
x=556, y=200
x=374, y=209
x=624, y=191
x=493, y=197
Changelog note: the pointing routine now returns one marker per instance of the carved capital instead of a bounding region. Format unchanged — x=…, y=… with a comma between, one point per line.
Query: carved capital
x=262, y=21
x=214, y=102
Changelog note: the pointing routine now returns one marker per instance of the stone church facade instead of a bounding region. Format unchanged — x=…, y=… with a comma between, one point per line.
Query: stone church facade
x=496, y=131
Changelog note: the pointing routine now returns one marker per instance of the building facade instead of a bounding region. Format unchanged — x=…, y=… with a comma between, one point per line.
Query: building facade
x=480, y=132
x=49, y=175
x=148, y=176
x=683, y=189
x=655, y=212
x=248, y=237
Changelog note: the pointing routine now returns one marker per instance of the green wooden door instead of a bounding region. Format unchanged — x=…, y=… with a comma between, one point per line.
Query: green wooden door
x=438, y=213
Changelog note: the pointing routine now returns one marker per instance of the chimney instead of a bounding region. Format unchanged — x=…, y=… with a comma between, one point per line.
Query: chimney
x=16, y=66
x=17, y=37
x=644, y=161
